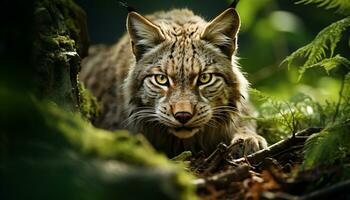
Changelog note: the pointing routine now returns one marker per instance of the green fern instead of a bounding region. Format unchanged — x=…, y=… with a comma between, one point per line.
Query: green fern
x=315, y=51
x=332, y=144
x=278, y=119
x=327, y=147
x=341, y=6
x=328, y=64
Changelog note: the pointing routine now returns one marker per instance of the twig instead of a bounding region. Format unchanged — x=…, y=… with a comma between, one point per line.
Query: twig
x=218, y=151
x=259, y=156
x=215, y=158
x=221, y=153
x=339, y=100
x=128, y=7
x=222, y=179
x=234, y=4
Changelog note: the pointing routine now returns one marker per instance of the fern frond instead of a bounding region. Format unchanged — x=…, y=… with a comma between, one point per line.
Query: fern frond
x=327, y=147
x=328, y=64
x=341, y=6
x=260, y=96
x=325, y=40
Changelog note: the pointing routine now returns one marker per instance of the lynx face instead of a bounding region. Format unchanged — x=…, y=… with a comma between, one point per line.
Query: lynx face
x=185, y=79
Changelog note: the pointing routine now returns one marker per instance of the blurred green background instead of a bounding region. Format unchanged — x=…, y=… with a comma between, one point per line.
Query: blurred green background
x=270, y=31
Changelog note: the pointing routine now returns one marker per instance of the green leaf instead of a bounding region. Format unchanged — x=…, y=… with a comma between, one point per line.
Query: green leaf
x=341, y=6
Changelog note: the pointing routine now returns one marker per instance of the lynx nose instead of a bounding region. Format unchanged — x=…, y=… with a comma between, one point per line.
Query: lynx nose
x=183, y=117
x=182, y=111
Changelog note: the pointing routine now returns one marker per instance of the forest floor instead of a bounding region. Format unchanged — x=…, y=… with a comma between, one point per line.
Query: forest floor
x=272, y=173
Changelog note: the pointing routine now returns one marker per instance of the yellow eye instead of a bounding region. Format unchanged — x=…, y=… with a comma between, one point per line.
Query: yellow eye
x=204, y=78
x=161, y=79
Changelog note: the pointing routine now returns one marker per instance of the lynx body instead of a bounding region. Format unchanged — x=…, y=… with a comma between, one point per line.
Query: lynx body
x=174, y=78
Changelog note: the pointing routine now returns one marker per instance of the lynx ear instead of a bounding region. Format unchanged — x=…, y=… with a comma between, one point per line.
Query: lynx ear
x=143, y=33
x=222, y=31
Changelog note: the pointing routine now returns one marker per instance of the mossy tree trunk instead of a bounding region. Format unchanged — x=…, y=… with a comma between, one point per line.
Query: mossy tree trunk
x=47, y=151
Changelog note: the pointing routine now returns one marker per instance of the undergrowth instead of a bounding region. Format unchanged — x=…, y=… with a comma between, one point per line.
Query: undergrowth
x=280, y=119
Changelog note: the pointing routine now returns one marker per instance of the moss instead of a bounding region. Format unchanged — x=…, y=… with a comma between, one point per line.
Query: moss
x=50, y=133
x=100, y=143
x=56, y=65
x=60, y=42
x=76, y=24
x=89, y=107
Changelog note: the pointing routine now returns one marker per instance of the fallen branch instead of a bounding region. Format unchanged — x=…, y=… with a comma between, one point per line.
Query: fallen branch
x=223, y=179
x=276, y=148
x=221, y=153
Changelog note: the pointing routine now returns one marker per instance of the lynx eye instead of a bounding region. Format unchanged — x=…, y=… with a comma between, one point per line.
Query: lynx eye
x=204, y=78
x=161, y=79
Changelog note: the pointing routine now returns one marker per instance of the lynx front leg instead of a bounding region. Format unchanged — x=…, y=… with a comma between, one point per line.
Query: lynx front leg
x=252, y=142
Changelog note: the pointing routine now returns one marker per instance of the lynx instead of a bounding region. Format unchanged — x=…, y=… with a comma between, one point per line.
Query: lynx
x=174, y=77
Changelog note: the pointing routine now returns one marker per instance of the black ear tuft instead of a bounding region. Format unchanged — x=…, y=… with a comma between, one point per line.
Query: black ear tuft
x=234, y=4
x=127, y=6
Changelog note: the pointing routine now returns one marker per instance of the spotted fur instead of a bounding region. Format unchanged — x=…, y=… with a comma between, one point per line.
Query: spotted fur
x=183, y=114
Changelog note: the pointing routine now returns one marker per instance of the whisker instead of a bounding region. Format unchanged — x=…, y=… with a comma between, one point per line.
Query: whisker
x=138, y=116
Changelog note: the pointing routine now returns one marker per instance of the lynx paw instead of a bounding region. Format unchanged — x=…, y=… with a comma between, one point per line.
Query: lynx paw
x=251, y=144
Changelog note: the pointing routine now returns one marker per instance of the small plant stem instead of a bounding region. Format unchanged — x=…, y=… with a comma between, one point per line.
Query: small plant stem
x=339, y=100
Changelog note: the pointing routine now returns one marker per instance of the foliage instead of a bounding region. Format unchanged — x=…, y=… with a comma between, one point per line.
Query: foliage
x=341, y=6
x=316, y=51
x=329, y=63
x=280, y=119
x=332, y=144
